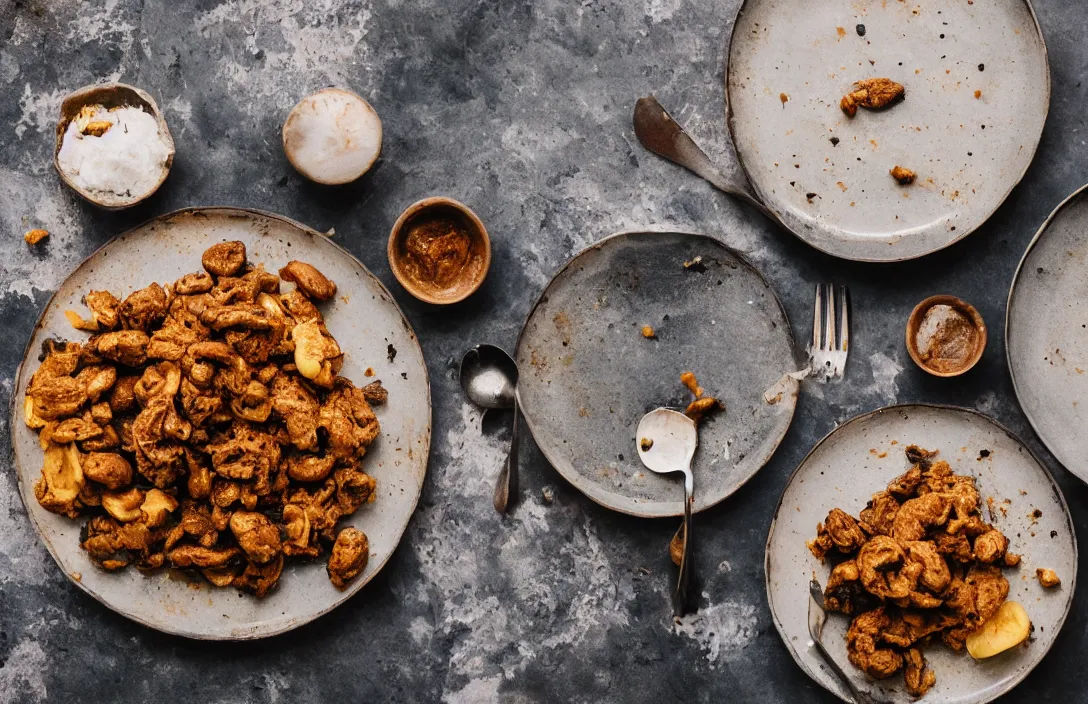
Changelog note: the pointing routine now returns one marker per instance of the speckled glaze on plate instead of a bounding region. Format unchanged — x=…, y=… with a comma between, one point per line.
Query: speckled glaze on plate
x=587, y=375
x=791, y=61
x=856, y=460
x=1045, y=335
x=365, y=320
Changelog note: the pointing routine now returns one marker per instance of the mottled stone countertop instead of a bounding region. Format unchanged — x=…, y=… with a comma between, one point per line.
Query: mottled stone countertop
x=522, y=110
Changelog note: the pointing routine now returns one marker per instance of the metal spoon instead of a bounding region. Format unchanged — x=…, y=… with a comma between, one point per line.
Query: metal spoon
x=661, y=134
x=489, y=377
x=666, y=442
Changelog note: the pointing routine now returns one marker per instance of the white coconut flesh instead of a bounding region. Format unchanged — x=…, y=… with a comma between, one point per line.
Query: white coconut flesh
x=332, y=136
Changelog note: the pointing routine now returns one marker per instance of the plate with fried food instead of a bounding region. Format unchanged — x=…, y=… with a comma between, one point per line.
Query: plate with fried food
x=221, y=424
x=945, y=549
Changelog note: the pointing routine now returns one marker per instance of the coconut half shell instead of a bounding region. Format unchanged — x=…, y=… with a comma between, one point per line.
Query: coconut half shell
x=110, y=95
x=333, y=136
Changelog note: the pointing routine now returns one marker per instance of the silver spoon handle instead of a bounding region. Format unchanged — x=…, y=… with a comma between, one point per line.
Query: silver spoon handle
x=660, y=133
x=860, y=697
x=507, y=484
x=687, y=560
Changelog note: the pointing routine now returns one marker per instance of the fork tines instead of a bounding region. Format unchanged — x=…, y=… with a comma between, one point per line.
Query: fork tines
x=830, y=331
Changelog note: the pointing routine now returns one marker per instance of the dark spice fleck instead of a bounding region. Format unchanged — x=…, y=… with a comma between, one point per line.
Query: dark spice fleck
x=391, y=352
x=982, y=67
x=1037, y=513
x=810, y=196
x=835, y=140
x=1053, y=534
x=983, y=454
x=942, y=36
x=970, y=153
x=861, y=30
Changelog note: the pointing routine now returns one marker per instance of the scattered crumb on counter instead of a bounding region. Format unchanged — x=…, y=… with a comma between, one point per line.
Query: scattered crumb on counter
x=548, y=494
x=696, y=265
x=676, y=546
x=648, y=332
x=978, y=94
x=784, y=98
x=688, y=379
x=35, y=236
x=1048, y=578
x=904, y=176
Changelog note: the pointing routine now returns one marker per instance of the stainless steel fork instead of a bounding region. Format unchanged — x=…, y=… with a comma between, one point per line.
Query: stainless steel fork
x=830, y=332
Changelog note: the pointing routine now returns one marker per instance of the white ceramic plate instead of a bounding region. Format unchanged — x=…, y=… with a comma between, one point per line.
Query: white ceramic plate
x=365, y=321
x=587, y=375
x=969, y=152
x=1046, y=337
x=858, y=459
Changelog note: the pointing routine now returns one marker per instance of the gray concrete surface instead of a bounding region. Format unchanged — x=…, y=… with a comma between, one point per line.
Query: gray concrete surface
x=522, y=110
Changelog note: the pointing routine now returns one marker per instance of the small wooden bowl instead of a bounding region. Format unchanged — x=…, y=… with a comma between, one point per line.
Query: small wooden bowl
x=955, y=326
x=403, y=263
x=110, y=95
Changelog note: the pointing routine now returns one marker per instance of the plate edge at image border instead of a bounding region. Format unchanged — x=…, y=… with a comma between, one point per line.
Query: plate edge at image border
x=835, y=251
x=664, y=231
x=1070, y=592
x=1069, y=200
x=252, y=631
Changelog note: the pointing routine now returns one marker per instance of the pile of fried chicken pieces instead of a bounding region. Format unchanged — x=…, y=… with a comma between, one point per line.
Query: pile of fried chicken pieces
x=919, y=564
x=204, y=426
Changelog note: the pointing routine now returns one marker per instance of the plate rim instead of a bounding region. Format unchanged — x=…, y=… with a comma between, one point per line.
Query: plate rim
x=243, y=633
x=1070, y=593
x=836, y=252
x=540, y=300
x=1035, y=240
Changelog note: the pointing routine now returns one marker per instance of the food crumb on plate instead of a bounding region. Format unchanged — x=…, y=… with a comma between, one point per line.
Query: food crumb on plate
x=1048, y=578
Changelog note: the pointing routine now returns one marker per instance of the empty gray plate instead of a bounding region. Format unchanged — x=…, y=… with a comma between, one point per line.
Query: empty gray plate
x=1046, y=333
x=858, y=459
x=368, y=325
x=588, y=375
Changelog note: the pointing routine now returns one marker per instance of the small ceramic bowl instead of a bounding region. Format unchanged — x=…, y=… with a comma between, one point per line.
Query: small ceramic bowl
x=439, y=250
x=945, y=336
x=110, y=95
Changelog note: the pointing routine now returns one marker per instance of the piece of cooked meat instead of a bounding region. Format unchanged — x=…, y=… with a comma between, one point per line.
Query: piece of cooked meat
x=105, y=309
x=871, y=94
x=1048, y=577
x=256, y=535
x=225, y=258
x=309, y=280
x=375, y=394
x=348, y=557
x=919, y=678
x=144, y=309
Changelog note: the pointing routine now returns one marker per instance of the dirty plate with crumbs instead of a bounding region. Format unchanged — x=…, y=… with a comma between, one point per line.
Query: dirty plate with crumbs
x=1046, y=333
x=589, y=371
x=976, y=89
x=1018, y=496
x=378, y=344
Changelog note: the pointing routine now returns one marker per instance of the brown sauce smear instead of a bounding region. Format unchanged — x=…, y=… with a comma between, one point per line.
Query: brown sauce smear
x=441, y=251
x=946, y=339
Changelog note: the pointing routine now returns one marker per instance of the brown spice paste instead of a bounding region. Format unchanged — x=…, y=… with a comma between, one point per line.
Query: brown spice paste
x=440, y=250
x=946, y=339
